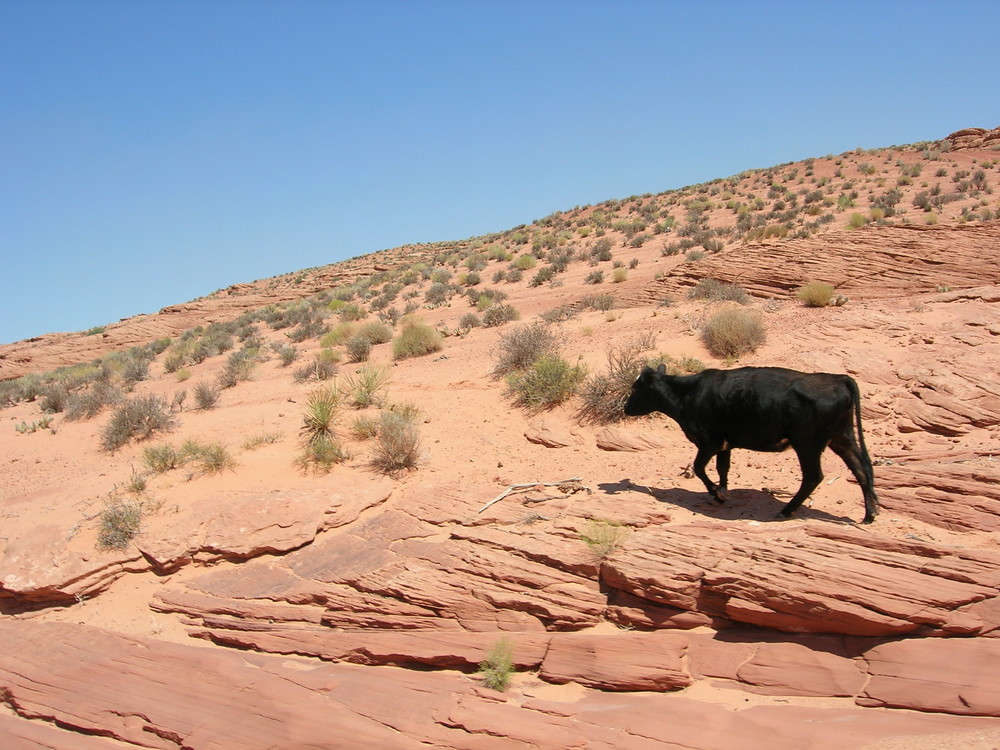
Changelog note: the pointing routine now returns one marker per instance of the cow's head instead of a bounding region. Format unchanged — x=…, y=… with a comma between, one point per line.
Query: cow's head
x=647, y=392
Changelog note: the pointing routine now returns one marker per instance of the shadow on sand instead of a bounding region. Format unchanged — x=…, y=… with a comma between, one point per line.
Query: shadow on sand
x=743, y=505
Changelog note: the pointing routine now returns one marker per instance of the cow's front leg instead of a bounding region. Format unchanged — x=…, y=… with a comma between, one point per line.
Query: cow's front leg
x=700, y=462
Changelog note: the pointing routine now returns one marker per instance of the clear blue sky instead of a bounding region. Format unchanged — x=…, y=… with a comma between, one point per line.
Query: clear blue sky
x=153, y=152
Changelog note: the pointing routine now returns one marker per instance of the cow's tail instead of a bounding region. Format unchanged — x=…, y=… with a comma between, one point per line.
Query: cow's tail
x=856, y=398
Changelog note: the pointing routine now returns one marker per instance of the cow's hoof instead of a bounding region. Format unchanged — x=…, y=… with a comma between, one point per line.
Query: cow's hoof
x=869, y=519
x=721, y=496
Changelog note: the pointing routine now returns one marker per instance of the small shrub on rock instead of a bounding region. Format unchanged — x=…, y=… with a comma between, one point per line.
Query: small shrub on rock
x=415, y=340
x=137, y=418
x=815, y=294
x=548, y=381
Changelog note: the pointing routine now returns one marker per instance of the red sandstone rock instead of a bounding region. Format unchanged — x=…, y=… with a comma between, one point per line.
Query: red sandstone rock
x=952, y=675
x=618, y=661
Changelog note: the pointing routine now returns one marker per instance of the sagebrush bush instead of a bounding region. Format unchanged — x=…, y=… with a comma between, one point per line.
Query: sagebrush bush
x=376, y=332
x=137, y=418
x=162, y=458
x=520, y=347
x=397, y=444
x=498, y=314
x=206, y=396
x=713, y=289
x=550, y=380
x=733, y=332
x=815, y=294
x=415, y=340
x=214, y=458
x=91, y=402
x=359, y=348
x=239, y=367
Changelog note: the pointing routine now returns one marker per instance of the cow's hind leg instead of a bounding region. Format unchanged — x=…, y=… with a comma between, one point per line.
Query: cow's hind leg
x=861, y=467
x=812, y=475
x=722, y=465
x=700, y=462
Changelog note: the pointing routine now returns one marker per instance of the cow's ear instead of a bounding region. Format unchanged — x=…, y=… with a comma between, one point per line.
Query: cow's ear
x=662, y=369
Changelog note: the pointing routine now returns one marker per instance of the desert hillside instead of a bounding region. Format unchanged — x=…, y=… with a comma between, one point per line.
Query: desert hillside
x=392, y=502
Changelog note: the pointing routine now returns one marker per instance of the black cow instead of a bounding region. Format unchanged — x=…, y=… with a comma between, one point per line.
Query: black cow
x=762, y=409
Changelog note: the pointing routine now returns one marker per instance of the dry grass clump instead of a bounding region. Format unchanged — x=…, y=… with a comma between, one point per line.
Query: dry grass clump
x=397, y=443
x=733, y=332
x=815, y=294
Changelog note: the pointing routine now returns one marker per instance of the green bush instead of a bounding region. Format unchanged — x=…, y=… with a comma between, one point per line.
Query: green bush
x=815, y=294
x=365, y=387
x=321, y=454
x=162, y=458
x=498, y=666
x=550, y=380
x=137, y=418
x=320, y=416
x=733, y=332
x=359, y=348
x=120, y=523
x=415, y=340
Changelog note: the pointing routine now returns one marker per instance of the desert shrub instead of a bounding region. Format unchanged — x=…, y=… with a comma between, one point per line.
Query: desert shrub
x=365, y=427
x=213, y=458
x=206, y=396
x=286, y=354
x=322, y=454
x=256, y=441
x=498, y=666
x=91, y=402
x=604, y=395
x=239, y=367
x=733, y=332
x=594, y=277
x=550, y=380
x=558, y=314
x=320, y=416
x=713, y=289
x=521, y=347
x=137, y=418
x=54, y=398
x=525, y=262
x=815, y=294
x=397, y=444
x=162, y=458
x=120, y=523
x=365, y=387
x=603, y=537
x=376, y=332
x=498, y=314
x=600, y=302
x=359, y=348
x=323, y=367
x=351, y=312
x=542, y=275
x=619, y=275
x=438, y=294
x=469, y=320
x=415, y=340
x=856, y=221
x=337, y=335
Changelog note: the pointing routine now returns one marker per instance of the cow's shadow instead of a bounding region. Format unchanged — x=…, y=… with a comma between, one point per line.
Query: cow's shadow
x=743, y=504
